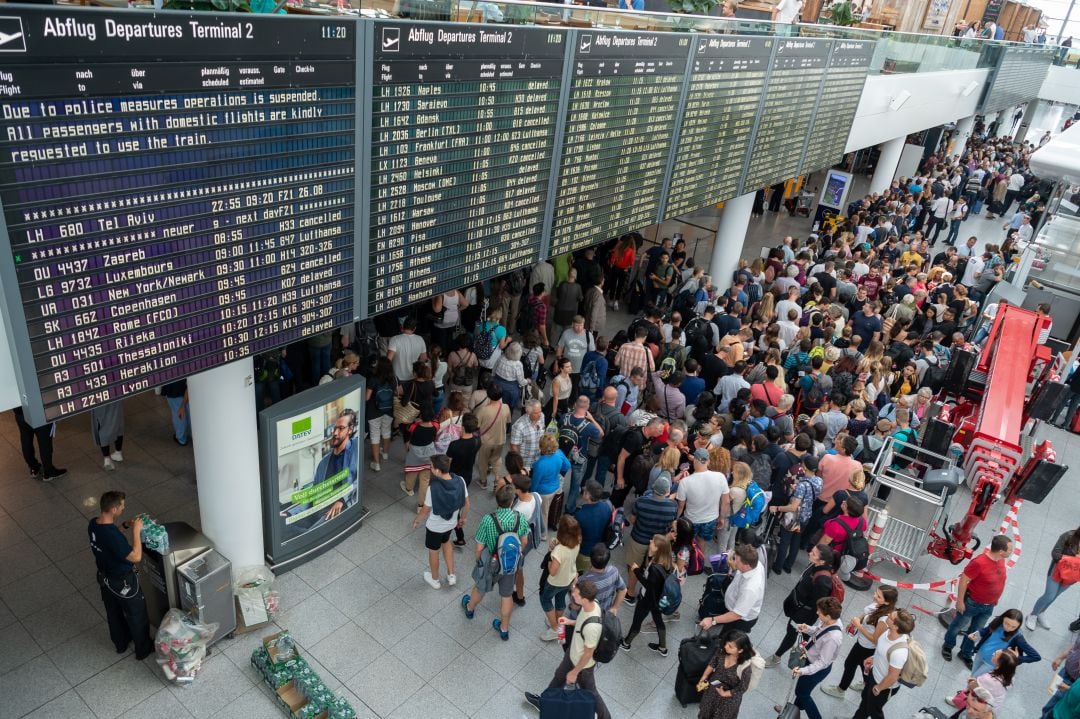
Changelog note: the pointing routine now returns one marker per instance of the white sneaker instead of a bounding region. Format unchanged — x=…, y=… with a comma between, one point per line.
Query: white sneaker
x=834, y=691
x=109, y=466
x=432, y=581
x=1031, y=621
x=857, y=686
x=451, y=580
x=386, y=455
x=549, y=635
x=1042, y=622
x=615, y=305
x=376, y=466
x=405, y=489
x=949, y=701
x=117, y=456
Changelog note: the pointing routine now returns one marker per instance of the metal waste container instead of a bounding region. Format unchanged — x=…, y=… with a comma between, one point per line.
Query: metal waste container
x=206, y=591
x=157, y=572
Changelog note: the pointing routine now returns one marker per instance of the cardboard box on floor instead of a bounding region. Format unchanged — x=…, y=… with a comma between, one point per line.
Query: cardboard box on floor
x=293, y=701
x=272, y=650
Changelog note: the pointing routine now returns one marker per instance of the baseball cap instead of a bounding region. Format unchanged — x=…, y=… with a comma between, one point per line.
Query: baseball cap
x=701, y=454
x=661, y=485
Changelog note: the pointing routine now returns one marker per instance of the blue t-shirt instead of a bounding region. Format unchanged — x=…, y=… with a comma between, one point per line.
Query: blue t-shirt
x=594, y=519
x=995, y=641
x=691, y=387
x=546, y=472
x=110, y=548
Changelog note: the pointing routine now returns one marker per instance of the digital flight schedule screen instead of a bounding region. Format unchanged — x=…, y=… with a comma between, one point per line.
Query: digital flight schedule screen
x=178, y=192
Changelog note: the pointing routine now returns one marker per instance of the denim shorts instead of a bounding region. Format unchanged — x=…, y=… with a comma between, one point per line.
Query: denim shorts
x=705, y=530
x=553, y=598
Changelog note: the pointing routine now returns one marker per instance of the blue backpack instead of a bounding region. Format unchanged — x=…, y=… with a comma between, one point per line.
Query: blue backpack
x=672, y=596
x=752, y=507
x=384, y=398
x=508, y=553
x=589, y=382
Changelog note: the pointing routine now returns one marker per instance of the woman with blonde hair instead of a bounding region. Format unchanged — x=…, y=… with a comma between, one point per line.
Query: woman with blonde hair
x=767, y=308
x=668, y=466
x=562, y=570
x=874, y=353
x=740, y=480
x=651, y=577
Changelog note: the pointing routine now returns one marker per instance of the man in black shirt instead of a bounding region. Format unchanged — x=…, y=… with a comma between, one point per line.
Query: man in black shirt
x=125, y=603
x=462, y=453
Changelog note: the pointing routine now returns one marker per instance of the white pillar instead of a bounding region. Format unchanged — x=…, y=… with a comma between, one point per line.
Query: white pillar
x=888, y=161
x=1025, y=123
x=226, y=443
x=963, y=134
x=730, y=237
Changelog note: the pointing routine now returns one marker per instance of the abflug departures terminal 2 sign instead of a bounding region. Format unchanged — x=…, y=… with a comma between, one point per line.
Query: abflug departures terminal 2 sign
x=178, y=191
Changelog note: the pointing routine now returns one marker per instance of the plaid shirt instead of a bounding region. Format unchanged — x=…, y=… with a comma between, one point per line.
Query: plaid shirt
x=540, y=310
x=509, y=519
x=632, y=355
x=526, y=435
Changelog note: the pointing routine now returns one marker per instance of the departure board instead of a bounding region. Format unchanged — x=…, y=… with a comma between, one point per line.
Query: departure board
x=620, y=122
x=797, y=68
x=1020, y=71
x=849, y=64
x=463, y=135
x=727, y=81
x=178, y=192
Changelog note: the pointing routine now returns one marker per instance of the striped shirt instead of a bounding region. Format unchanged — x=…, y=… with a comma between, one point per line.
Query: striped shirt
x=632, y=355
x=653, y=515
x=608, y=581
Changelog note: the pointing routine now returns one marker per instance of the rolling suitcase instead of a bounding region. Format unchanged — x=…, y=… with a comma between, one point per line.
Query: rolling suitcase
x=694, y=655
x=567, y=702
x=555, y=511
x=790, y=711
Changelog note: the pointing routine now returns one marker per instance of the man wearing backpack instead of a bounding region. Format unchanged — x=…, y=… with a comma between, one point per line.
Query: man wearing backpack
x=594, y=369
x=612, y=421
x=882, y=671
x=495, y=535
x=577, y=431
x=579, y=661
x=744, y=595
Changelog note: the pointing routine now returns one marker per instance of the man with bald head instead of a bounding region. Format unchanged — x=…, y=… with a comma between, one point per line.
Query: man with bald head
x=606, y=413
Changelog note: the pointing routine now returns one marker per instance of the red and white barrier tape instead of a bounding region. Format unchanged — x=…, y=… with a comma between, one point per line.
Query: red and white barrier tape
x=1009, y=525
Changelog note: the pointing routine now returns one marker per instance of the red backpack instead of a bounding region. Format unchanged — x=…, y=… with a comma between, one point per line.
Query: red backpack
x=837, y=586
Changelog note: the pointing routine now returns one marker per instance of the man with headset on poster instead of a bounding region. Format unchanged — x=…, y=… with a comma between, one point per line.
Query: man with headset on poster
x=125, y=603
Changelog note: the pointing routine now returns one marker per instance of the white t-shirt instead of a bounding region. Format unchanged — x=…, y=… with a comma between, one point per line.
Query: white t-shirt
x=436, y=523
x=861, y=639
x=972, y=271
x=897, y=660
x=407, y=349
x=786, y=10
x=526, y=507
x=702, y=492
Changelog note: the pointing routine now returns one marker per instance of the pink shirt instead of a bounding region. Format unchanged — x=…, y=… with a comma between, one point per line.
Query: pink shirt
x=835, y=471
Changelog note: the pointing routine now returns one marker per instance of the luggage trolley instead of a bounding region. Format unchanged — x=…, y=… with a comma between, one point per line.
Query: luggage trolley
x=912, y=486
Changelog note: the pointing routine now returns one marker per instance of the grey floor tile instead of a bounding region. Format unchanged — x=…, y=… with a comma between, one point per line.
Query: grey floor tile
x=6, y=615
x=394, y=565
x=324, y=569
x=312, y=620
x=20, y=561
x=388, y=621
x=355, y=592
x=28, y=492
x=32, y=685
x=427, y=650
x=428, y=602
x=468, y=683
x=51, y=518
x=292, y=589
x=84, y=655
x=68, y=705
x=17, y=647
x=58, y=622
x=79, y=567
x=364, y=543
x=255, y=703
x=348, y=650
x=506, y=704
x=162, y=705
x=505, y=658
x=119, y=688
x=461, y=629
x=217, y=685
x=385, y=684
x=396, y=521
x=10, y=532
x=35, y=591
x=427, y=703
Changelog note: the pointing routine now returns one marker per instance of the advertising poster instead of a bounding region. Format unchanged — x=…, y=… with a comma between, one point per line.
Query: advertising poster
x=318, y=465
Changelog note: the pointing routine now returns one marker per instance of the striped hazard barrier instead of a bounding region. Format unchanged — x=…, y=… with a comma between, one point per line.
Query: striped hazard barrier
x=1009, y=525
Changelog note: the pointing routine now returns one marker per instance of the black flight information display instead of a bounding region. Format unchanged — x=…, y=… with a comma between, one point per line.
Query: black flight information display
x=797, y=69
x=849, y=64
x=727, y=81
x=463, y=135
x=178, y=192
x=622, y=112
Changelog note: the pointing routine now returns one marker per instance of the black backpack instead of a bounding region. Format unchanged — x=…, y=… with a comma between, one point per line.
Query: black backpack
x=610, y=636
x=712, y=598
x=526, y=319
x=697, y=335
x=855, y=545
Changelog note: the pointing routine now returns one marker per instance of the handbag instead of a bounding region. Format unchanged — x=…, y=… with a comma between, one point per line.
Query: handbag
x=405, y=413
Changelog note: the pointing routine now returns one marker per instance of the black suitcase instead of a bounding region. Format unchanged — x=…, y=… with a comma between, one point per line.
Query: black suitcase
x=694, y=656
x=555, y=511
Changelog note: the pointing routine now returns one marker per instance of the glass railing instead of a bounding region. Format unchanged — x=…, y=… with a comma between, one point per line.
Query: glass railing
x=896, y=52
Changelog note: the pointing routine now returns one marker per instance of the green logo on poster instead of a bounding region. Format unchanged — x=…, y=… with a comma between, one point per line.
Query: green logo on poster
x=301, y=428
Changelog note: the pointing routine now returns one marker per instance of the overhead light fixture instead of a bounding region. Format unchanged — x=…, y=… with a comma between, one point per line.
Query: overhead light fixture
x=899, y=100
x=969, y=89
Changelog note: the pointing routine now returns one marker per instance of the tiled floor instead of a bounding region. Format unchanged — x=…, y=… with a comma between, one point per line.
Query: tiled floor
x=363, y=615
